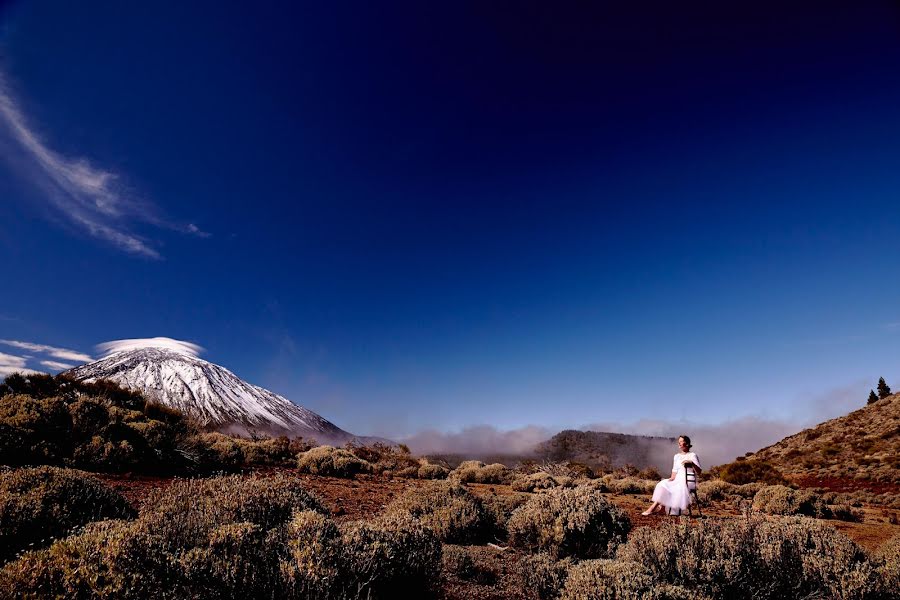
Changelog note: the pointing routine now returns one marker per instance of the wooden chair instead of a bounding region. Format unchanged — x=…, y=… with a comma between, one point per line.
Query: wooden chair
x=690, y=480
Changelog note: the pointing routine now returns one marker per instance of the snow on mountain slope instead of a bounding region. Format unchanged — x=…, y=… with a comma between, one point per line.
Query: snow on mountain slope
x=171, y=373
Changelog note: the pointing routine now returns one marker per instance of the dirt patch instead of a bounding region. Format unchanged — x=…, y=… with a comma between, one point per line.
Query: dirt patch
x=837, y=484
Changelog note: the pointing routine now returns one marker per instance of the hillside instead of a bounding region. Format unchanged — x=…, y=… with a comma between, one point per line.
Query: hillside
x=863, y=445
x=607, y=450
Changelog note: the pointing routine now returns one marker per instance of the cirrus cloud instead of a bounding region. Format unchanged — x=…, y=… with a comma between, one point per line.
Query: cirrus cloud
x=94, y=199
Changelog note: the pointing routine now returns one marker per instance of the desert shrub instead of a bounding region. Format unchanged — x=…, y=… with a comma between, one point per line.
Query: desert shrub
x=604, y=579
x=411, y=472
x=187, y=511
x=651, y=473
x=628, y=485
x=569, y=522
x=782, y=500
x=457, y=561
x=474, y=471
x=110, y=560
x=501, y=508
x=790, y=558
x=889, y=567
x=432, y=471
x=331, y=461
x=39, y=504
x=236, y=561
x=383, y=458
x=750, y=471
x=543, y=576
x=392, y=556
x=267, y=451
x=34, y=431
x=386, y=558
x=535, y=481
x=453, y=513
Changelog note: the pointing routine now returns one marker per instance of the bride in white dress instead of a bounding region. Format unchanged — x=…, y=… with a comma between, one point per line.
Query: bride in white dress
x=673, y=492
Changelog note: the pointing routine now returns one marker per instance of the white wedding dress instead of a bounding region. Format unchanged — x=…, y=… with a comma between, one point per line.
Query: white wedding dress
x=675, y=494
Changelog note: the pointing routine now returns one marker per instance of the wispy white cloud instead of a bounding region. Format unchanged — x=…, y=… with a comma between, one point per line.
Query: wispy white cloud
x=10, y=363
x=93, y=198
x=55, y=365
x=53, y=351
x=182, y=347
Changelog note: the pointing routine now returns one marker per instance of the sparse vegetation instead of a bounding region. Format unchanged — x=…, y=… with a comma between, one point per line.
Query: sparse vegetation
x=475, y=471
x=782, y=500
x=603, y=579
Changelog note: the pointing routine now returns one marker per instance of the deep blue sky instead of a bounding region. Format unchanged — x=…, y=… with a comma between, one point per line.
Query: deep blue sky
x=406, y=216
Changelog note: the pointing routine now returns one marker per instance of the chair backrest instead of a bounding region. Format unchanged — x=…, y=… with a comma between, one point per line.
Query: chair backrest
x=690, y=475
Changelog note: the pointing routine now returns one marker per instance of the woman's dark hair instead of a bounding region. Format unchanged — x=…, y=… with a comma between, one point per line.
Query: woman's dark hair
x=686, y=439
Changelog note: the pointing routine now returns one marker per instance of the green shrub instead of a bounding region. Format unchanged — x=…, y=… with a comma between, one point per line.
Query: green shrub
x=782, y=500
x=751, y=471
x=330, y=461
x=39, y=504
x=603, y=579
x=569, y=522
x=790, y=558
x=453, y=513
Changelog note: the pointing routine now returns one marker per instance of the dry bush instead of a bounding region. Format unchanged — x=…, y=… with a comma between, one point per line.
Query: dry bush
x=501, y=508
x=187, y=511
x=267, y=451
x=385, y=458
x=604, y=579
x=37, y=505
x=331, y=461
x=411, y=472
x=110, y=560
x=717, y=489
x=569, y=522
x=474, y=471
x=34, y=431
x=387, y=558
x=789, y=558
x=543, y=575
x=453, y=513
x=750, y=471
x=782, y=500
x=432, y=471
x=628, y=485
x=651, y=473
x=235, y=561
x=456, y=561
x=536, y=481
x=216, y=538
x=889, y=567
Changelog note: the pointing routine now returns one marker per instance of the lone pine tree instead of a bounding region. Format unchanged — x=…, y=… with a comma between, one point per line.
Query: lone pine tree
x=872, y=397
x=883, y=390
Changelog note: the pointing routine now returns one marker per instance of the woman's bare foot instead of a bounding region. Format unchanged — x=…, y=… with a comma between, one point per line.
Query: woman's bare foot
x=648, y=512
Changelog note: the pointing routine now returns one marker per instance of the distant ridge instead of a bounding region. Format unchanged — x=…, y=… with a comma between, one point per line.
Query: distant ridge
x=863, y=445
x=171, y=373
x=608, y=450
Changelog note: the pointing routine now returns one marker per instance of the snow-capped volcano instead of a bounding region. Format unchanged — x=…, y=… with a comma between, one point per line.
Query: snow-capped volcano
x=170, y=372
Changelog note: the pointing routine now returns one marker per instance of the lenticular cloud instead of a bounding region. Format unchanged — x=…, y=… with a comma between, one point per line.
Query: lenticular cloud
x=179, y=346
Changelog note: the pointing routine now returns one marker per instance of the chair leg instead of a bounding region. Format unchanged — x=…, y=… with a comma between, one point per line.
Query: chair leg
x=699, y=509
